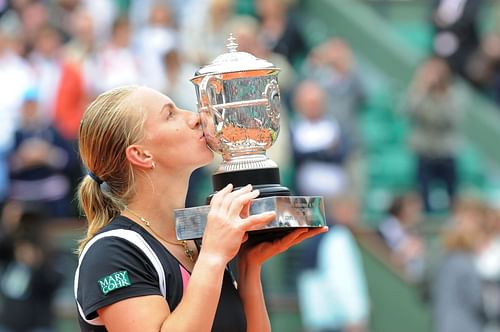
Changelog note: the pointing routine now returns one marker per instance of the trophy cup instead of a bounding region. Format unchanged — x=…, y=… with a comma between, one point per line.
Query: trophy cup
x=239, y=105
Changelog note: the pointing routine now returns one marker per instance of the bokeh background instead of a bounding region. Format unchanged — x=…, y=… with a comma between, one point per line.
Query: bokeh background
x=390, y=110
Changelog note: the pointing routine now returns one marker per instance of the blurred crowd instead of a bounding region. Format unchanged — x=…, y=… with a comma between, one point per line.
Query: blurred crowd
x=57, y=55
x=458, y=39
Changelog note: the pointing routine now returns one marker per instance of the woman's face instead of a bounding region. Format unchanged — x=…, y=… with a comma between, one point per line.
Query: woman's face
x=173, y=136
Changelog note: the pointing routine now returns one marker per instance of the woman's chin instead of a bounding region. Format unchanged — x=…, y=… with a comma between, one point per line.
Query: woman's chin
x=210, y=157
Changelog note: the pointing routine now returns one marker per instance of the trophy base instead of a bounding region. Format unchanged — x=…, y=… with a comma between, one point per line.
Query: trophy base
x=291, y=212
x=267, y=180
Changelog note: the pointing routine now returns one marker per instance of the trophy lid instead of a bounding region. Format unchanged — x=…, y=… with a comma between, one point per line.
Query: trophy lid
x=233, y=61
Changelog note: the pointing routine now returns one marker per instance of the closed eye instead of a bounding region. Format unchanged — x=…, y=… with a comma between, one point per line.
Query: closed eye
x=168, y=110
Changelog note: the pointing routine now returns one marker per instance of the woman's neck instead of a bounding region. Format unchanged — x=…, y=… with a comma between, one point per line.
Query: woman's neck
x=155, y=201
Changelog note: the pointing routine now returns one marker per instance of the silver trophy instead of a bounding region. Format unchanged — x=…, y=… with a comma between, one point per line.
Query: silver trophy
x=239, y=105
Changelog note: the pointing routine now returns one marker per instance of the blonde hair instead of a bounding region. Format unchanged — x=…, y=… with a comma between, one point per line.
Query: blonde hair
x=471, y=226
x=110, y=124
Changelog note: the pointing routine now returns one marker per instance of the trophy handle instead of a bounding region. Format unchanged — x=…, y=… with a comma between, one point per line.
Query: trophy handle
x=272, y=96
x=205, y=100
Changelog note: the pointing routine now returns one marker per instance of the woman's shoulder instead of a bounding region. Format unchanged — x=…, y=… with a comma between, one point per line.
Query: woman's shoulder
x=117, y=244
x=112, y=268
x=114, y=247
x=124, y=243
x=457, y=263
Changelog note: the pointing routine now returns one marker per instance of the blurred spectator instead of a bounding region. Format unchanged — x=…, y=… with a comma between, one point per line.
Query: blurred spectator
x=246, y=30
x=72, y=93
x=456, y=31
x=333, y=294
x=9, y=223
x=104, y=14
x=205, y=30
x=399, y=233
x=178, y=85
x=488, y=265
x=31, y=16
x=39, y=162
x=115, y=63
x=151, y=42
x=15, y=79
x=488, y=261
x=46, y=61
x=139, y=10
x=82, y=42
x=435, y=114
x=332, y=65
x=11, y=26
x=4, y=6
x=456, y=291
x=319, y=144
x=29, y=280
x=61, y=14
x=281, y=30
x=484, y=67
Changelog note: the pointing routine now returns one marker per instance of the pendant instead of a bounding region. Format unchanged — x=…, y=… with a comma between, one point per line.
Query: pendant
x=188, y=251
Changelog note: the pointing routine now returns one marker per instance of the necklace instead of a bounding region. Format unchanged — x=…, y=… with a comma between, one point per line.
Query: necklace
x=187, y=251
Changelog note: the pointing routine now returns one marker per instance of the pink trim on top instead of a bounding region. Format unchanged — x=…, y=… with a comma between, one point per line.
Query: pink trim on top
x=185, y=278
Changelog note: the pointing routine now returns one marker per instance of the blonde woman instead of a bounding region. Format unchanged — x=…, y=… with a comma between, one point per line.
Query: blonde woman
x=133, y=275
x=457, y=285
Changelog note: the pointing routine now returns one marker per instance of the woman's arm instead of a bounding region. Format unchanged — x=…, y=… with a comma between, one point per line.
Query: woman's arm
x=252, y=296
x=224, y=233
x=249, y=269
x=195, y=312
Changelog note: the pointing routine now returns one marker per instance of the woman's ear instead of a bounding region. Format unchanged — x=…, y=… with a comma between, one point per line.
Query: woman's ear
x=139, y=157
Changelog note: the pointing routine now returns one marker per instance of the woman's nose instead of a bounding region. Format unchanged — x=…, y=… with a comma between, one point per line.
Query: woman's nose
x=194, y=120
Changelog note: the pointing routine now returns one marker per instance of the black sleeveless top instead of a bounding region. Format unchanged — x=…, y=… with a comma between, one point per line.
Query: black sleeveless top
x=114, y=269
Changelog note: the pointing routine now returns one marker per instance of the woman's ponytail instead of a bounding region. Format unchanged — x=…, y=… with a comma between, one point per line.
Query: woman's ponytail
x=110, y=124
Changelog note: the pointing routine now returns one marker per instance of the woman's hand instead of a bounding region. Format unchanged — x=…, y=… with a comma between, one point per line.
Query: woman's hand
x=228, y=221
x=250, y=263
x=258, y=254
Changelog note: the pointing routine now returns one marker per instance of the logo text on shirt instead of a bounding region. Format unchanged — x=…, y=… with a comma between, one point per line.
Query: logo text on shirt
x=114, y=281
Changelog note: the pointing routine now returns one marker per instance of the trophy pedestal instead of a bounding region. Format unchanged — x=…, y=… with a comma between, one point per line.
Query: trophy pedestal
x=291, y=212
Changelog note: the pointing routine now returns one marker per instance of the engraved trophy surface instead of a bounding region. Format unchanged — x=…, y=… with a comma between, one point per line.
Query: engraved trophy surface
x=239, y=105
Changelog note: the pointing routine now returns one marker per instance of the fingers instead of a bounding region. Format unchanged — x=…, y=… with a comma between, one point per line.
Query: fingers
x=289, y=240
x=229, y=197
x=241, y=200
x=217, y=199
x=310, y=232
x=234, y=203
x=245, y=210
x=258, y=221
x=226, y=196
x=298, y=236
